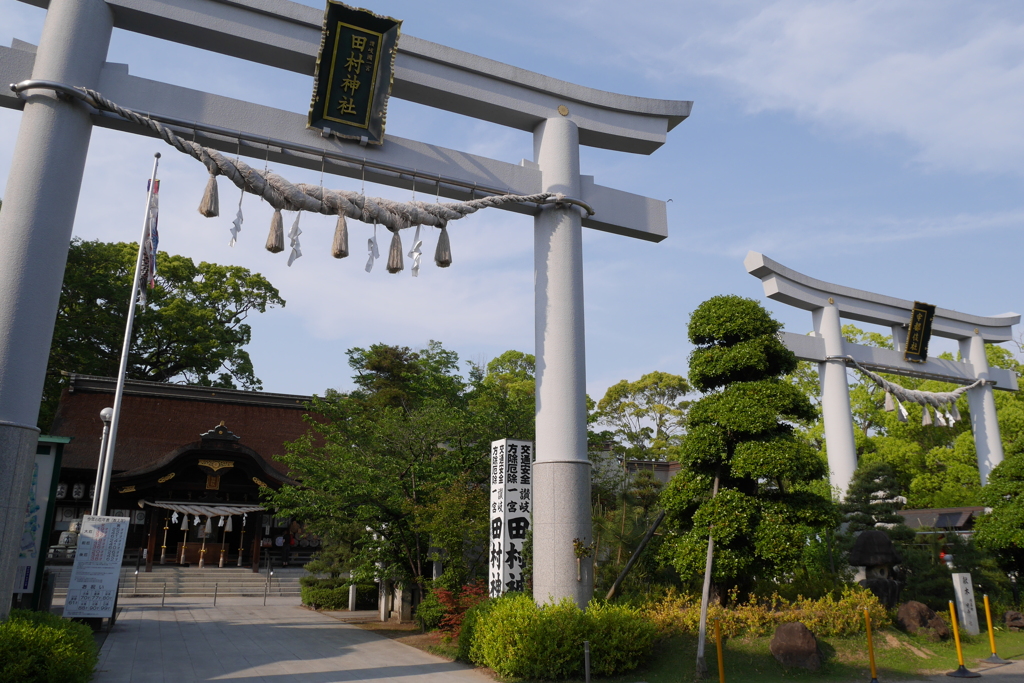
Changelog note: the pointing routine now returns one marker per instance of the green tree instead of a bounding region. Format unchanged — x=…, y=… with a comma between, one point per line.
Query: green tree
x=502, y=396
x=949, y=478
x=192, y=328
x=770, y=499
x=646, y=416
x=1002, y=530
x=404, y=459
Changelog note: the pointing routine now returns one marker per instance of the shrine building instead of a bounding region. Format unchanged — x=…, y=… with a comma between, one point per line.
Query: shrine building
x=182, y=452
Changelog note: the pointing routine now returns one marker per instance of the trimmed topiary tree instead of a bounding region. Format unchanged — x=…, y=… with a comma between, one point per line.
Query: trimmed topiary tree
x=770, y=494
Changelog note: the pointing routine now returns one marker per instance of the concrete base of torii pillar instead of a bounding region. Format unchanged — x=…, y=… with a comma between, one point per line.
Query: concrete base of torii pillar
x=561, y=487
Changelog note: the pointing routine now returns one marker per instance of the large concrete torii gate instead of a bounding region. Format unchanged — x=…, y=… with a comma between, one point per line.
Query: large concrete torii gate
x=828, y=303
x=53, y=140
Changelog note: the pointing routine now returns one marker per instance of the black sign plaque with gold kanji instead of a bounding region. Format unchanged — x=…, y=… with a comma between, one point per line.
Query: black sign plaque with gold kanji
x=919, y=332
x=354, y=72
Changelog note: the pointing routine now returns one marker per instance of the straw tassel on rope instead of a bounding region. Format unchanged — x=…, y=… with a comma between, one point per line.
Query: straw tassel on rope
x=275, y=240
x=339, y=248
x=396, y=262
x=210, y=205
x=443, y=253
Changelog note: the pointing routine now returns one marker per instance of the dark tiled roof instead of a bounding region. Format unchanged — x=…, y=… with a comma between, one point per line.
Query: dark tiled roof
x=157, y=418
x=942, y=518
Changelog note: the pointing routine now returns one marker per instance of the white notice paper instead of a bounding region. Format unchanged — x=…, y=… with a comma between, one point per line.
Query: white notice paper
x=93, y=584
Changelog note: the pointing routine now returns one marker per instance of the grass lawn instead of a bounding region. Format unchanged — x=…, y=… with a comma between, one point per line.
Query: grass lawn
x=747, y=659
x=898, y=656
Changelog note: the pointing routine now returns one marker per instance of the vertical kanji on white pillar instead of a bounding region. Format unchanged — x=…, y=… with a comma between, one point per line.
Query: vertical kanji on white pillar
x=511, y=513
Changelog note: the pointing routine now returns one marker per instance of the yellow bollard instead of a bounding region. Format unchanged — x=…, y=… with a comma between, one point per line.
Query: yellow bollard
x=962, y=671
x=993, y=658
x=718, y=644
x=871, y=647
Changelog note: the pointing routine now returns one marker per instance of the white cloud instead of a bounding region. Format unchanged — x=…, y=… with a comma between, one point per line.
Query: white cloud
x=948, y=77
x=860, y=234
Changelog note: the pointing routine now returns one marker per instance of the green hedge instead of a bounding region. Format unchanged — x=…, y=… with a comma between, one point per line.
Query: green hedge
x=516, y=638
x=332, y=594
x=38, y=647
x=429, y=612
x=467, y=632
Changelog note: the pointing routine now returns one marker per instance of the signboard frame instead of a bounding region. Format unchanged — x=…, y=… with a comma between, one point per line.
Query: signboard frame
x=39, y=521
x=92, y=589
x=355, y=69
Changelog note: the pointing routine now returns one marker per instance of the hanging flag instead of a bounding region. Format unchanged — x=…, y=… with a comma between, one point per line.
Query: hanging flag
x=150, y=242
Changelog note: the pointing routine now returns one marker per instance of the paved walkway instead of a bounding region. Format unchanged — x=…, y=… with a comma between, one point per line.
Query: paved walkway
x=242, y=641
x=1005, y=673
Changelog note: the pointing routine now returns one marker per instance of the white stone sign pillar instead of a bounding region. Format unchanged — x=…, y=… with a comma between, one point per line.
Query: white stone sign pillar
x=966, y=607
x=510, y=514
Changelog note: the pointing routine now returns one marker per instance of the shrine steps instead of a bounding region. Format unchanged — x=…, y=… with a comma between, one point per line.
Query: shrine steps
x=192, y=581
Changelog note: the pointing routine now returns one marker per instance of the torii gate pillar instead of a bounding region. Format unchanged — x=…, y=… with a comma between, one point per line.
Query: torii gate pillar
x=835, y=399
x=982, y=401
x=562, y=470
x=35, y=229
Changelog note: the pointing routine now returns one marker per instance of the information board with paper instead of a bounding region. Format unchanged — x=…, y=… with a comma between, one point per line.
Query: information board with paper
x=93, y=585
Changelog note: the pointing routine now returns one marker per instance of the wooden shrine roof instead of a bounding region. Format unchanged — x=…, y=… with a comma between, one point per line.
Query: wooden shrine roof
x=158, y=418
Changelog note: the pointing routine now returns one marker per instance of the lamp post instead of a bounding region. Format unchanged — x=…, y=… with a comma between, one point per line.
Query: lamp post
x=99, y=497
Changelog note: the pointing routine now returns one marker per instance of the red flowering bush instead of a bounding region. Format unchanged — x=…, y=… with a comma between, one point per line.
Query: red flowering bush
x=456, y=604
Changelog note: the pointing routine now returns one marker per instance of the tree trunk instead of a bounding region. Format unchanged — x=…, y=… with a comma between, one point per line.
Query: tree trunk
x=702, y=667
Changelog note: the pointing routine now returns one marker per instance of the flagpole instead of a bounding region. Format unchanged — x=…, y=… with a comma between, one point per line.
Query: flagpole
x=103, y=495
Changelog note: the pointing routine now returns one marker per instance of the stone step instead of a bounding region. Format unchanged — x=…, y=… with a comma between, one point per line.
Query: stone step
x=190, y=581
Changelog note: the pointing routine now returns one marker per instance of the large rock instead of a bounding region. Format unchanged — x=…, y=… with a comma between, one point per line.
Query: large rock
x=1014, y=620
x=917, y=617
x=793, y=645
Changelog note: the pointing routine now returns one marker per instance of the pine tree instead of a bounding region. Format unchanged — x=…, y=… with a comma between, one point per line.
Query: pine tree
x=873, y=501
x=771, y=494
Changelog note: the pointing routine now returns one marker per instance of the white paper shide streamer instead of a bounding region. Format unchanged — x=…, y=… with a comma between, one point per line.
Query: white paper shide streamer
x=236, y=225
x=293, y=237
x=371, y=247
x=416, y=253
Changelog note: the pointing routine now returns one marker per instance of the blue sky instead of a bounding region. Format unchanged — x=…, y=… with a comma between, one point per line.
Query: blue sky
x=876, y=144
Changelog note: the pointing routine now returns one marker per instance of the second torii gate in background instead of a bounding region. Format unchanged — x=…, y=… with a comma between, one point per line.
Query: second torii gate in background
x=828, y=303
x=53, y=140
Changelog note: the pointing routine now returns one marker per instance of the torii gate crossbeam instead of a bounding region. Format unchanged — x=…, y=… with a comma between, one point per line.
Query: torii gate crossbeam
x=53, y=140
